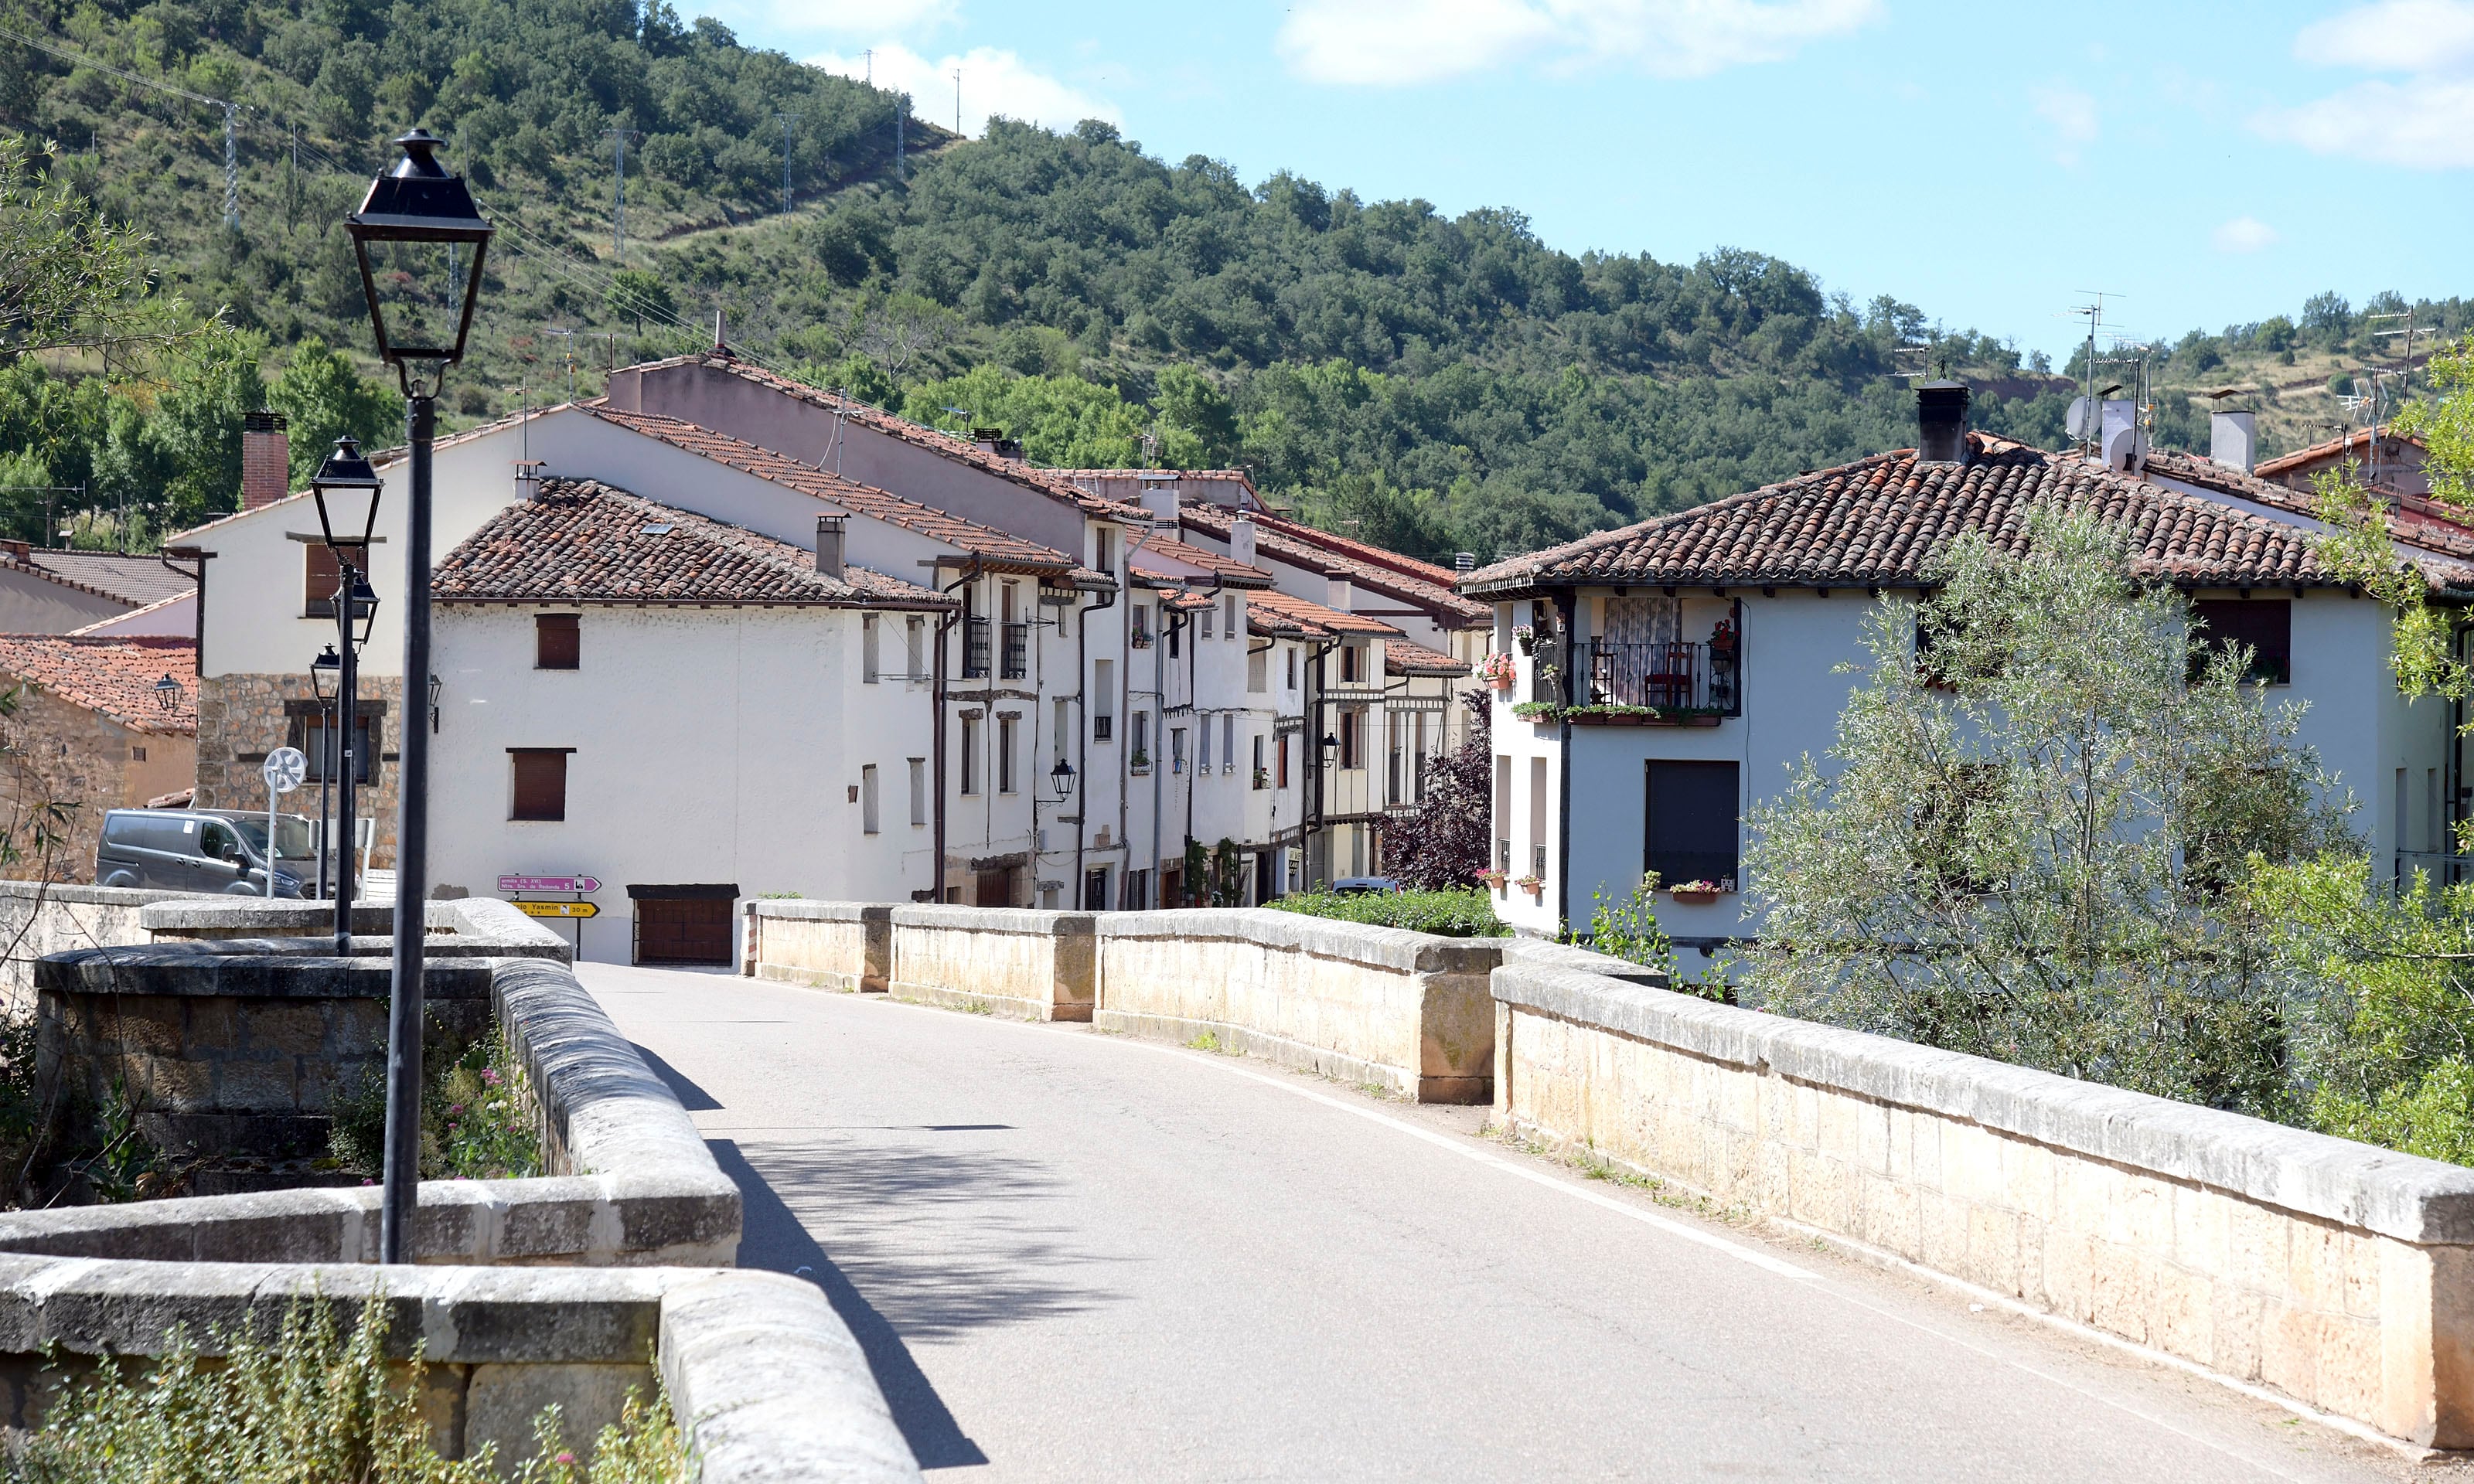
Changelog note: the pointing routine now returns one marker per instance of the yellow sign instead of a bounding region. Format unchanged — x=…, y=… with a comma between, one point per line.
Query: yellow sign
x=558, y=909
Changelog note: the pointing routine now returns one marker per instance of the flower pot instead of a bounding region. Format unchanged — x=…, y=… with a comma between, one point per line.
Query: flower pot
x=1693, y=898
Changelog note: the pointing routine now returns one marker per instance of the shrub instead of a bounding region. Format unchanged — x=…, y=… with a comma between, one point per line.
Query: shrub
x=1447, y=914
x=476, y=1118
x=313, y=1405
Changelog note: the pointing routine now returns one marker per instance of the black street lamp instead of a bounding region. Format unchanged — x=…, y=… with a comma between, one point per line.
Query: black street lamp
x=168, y=693
x=421, y=240
x=1061, y=778
x=347, y=490
x=325, y=682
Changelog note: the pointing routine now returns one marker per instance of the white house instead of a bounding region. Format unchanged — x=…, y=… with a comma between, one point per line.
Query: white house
x=1704, y=651
x=681, y=709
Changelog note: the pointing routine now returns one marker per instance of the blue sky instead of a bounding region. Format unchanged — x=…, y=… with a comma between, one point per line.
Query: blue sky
x=1988, y=162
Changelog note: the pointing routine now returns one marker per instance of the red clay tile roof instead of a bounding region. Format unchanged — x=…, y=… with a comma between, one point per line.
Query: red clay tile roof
x=2334, y=447
x=584, y=541
x=1230, y=572
x=1402, y=658
x=996, y=548
x=113, y=676
x=960, y=450
x=1091, y=478
x=1319, y=551
x=1885, y=521
x=1280, y=613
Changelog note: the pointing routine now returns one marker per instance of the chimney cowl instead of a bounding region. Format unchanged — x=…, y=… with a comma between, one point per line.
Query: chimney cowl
x=829, y=547
x=1940, y=421
x=1465, y=562
x=529, y=473
x=1241, y=538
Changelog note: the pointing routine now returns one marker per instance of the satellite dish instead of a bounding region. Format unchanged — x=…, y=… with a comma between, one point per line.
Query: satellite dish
x=285, y=769
x=2080, y=421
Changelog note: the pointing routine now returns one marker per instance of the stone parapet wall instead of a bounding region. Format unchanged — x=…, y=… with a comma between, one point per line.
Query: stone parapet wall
x=765, y=1380
x=2339, y=1273
x=1406, y=1010
x=241, y=718
x=37, y=920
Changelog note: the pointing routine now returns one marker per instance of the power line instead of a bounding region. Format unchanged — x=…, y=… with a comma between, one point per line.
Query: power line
x=231, y=110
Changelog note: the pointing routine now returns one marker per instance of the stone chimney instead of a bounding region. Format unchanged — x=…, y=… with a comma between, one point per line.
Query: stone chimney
x=1940, y=421
x=2233, y=438
x=1241, y=538
x=1336, y=592
x=265, y=459
x=829, y=547
x=528, y=478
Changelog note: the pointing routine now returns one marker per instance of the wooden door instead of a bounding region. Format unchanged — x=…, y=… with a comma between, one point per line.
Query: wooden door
x=683, y=930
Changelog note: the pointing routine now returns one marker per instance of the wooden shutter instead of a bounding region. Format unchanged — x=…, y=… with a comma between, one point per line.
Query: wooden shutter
x=1692, y=828
x=319, y=575
x=540, y=782
x=556, y=642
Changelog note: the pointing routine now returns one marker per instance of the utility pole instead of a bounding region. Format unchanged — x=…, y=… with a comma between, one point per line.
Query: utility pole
x=292, y=178
x=957, y=100
x=618, y=220
x=870, y=56
x=901, y=107
x=231, y=206
x=787, y=120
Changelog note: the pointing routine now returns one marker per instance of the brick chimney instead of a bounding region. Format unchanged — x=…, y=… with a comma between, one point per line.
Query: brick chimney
x=265, y=459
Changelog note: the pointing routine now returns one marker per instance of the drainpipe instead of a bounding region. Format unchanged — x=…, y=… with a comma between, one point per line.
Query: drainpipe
x=1570, y=603
x=1083, y=738
x=1272, y=844
x=1310, y=815
x=1159, y=764
x=937, y=725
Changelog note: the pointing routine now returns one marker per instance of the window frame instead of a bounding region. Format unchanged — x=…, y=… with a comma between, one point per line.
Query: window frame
x=547, y=646
x=1675, y=866
x=551, y=759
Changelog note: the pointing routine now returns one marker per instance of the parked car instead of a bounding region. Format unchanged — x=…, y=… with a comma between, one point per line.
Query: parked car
x=203, y=850
x=1366, y=886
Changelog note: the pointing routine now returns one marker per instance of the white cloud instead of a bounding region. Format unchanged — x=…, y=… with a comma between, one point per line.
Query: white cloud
x=995, y=83
x=1399, y=42
x=2424, y=121
x=796, y=18
x=2244, y=235
x=2072, y=116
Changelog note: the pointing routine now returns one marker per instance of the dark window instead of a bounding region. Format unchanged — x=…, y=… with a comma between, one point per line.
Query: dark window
x=556, y=642
x=2264, y=626
x=1349, y=663
x=1281, y=777
x=1176, y=631
x=1350, y=722
x=318, y=578
x=1691, y=825
x=310, y=735
x=540, y=782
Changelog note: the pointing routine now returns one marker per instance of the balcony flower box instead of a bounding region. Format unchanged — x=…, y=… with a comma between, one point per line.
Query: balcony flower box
x=1696, y=893
x=1499, y=670
x=1493, y=879
x=1532, y=885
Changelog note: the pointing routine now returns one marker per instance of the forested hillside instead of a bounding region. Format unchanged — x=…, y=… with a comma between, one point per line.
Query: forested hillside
x=1429, y=382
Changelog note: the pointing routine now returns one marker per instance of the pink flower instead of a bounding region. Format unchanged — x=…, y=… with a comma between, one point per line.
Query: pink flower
x=565, y=1457
x=490, y=1075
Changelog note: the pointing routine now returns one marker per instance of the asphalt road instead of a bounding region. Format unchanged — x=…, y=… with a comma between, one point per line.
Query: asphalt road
x=1074, y=1256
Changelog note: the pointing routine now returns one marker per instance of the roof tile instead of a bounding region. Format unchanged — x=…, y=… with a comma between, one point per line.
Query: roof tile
x=112, y=674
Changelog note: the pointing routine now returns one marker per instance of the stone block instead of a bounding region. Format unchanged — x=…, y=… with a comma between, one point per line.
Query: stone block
x=2235, y=1329
x=2289, y=1343
x=2120, y=1290
x=501, y=1403
x=2182, y=1312
x=255, y=1086
x=282, y=1030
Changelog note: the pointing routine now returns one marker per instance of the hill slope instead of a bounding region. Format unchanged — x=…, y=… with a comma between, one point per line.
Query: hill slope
x=1431, y=383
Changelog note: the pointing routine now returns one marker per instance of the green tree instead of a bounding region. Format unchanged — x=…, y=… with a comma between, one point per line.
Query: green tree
x=1062, y=421
x=634, y=294
x=325, y=398
x=2026, y=840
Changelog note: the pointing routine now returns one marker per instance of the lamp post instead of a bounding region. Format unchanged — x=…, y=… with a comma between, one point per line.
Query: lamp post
x=347, y=490
x=168, y=693
x=325, y=673
x=420, y=298
x=1061, y=778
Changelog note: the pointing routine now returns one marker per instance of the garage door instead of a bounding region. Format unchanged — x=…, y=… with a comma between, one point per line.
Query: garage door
x=683, y=924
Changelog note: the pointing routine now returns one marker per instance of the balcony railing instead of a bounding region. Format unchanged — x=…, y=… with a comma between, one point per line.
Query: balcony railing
x=975, y=649
x=1017, y=651
x=1664, y=676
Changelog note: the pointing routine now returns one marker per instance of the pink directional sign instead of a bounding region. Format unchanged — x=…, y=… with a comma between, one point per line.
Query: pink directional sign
x=549, y=883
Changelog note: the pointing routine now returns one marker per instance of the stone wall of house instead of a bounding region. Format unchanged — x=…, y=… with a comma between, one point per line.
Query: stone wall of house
x=61, y=767
x=243, y=717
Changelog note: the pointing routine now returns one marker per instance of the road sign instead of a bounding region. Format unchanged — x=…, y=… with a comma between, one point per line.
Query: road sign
x=285, y=769
x=558, y=909
x=585, y=884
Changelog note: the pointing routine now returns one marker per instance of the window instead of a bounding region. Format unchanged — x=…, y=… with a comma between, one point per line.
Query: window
x=1103, y=699
x=1063, y=732
x=310, y=736
x=919, y=793
x=1258, y=672
x=1290, y=651
x=1392, y=763
x=1177, y=749
x=556, y=643
x=2264, y=626
x=1691, y=828
x=1348, y=662
x=1539, y=812
x=1352, y=722
x=1208, y=614
x=970, y=744
x=540, y=779
x=1142, y=635
x=1228, y=743
x=1005, y=754
x=869, y=823
x=319, y=575
x=1282, y=779
x=1228, y=624
x=916, y=635
x=1141, y=751
x=1503, y=813
x=1175, y=633
x=1105, y=549
x=867, y=648
x=1259, y=779
x=1205, y=758
x=136, y=753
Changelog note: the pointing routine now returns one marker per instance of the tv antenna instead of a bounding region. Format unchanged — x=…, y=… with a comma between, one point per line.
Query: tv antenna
x=785, y=120
x=618, y=221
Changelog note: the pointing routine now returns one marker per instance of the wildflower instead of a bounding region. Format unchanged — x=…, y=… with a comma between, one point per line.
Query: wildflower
x=490, y=1075
x=565, y=1457
x=454, y=1110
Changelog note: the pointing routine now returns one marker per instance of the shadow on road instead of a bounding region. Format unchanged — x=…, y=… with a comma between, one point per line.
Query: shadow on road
x=774, y=1240
x=694, y=1098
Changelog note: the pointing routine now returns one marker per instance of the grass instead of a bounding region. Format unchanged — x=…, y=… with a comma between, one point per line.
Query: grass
x=316, y=1406
x=1206, y=1041
x=476, y=1118
x=1593, y=1165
